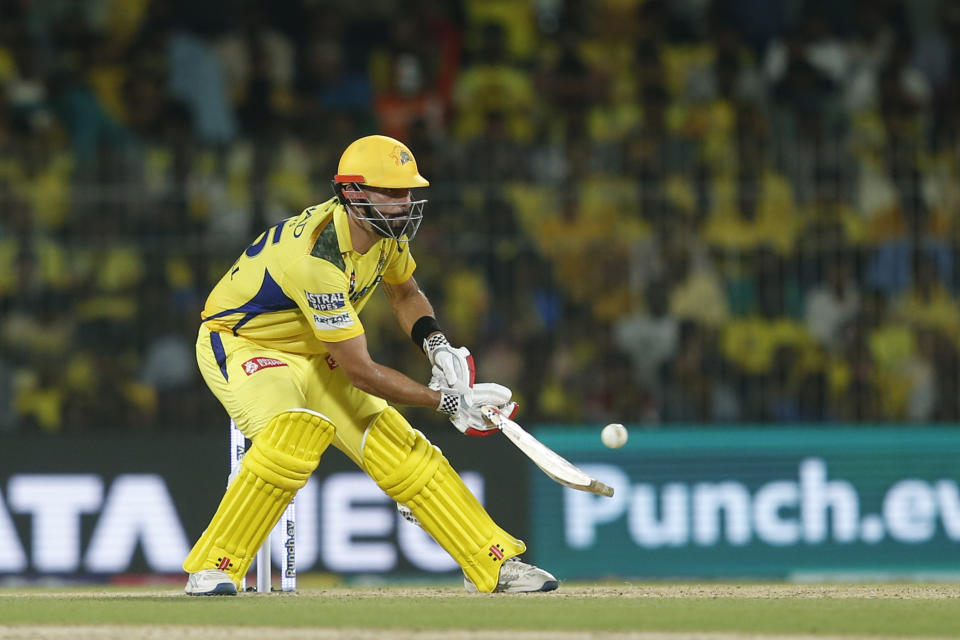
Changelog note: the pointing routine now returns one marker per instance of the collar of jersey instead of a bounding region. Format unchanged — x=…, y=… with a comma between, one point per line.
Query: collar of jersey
x=342, y=225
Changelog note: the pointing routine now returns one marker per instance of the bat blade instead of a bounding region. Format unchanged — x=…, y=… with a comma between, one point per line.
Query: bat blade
x=549, y=461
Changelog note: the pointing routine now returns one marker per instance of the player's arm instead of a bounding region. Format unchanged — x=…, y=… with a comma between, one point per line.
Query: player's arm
x=354, y=358
x=408, y=302
x=452, y=368
x=463, y=409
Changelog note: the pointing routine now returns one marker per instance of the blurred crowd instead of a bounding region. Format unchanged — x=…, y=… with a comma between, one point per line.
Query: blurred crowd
x=645, y=211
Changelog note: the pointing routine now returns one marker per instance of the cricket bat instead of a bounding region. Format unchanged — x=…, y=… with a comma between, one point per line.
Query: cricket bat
x=550, y=462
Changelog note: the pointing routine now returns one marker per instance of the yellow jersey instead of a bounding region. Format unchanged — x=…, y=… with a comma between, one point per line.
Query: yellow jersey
x=301, y=284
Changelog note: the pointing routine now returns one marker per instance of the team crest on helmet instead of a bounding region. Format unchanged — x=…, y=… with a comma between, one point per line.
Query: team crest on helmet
x=401, y=156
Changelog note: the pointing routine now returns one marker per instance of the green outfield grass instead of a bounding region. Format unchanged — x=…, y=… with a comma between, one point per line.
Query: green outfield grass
x=887, y=612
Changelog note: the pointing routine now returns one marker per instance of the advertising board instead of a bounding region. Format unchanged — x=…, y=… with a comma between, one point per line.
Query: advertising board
x=117, y=504
x=766, y=502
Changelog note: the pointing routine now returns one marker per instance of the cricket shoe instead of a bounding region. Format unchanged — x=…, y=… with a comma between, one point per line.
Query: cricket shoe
x=210, y=582
x=519, y=577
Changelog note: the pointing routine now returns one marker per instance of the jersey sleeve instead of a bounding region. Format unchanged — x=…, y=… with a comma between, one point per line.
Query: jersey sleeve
x=401, y=266
x=322, y=293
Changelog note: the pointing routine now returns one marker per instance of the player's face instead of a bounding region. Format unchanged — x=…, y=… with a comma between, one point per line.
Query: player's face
x=392, y=203
x=384, y=198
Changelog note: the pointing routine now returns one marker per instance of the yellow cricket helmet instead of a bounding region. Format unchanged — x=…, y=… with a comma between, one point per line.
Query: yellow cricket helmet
x=379, y=161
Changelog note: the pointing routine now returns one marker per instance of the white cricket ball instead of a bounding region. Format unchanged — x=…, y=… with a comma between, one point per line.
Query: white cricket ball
x=614, y=435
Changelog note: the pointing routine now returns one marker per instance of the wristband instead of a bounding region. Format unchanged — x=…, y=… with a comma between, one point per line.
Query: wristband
x=423, y=328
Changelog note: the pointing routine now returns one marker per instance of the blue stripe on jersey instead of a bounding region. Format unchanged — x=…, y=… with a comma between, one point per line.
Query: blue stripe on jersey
x=269, y=298
x=216, y=343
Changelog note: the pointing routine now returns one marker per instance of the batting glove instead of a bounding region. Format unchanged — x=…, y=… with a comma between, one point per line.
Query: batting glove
x=464, y=409
x=452, y=368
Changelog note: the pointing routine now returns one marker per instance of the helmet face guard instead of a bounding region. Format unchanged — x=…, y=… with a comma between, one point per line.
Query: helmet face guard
x=401, y=227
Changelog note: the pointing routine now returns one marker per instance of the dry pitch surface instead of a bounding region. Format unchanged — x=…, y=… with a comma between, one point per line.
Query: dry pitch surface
x=608, y=612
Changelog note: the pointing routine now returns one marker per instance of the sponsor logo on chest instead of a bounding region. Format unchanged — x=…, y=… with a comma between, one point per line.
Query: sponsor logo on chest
x=253, y=365
x=325, y=301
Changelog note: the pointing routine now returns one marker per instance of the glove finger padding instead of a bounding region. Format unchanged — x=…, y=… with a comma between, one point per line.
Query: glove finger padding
x=437, y=379
x=456, y=364
x=486, y=393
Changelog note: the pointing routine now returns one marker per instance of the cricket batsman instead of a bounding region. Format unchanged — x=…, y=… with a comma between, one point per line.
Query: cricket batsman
x=282, y=347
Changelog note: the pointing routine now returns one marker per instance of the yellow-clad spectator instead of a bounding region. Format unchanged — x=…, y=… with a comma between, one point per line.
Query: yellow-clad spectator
x=38, y=399
x=109, y=271
x=752, y=203
x=752, y=211
x=880, y=353
x=752, y=341
x=568, y=84
x=610, y=47
x=696, y=293
x=829, y=220
x=928, y=304
x=467, y=302
x=39, y=264
x=514, y=17
x=587, y=234
x=712, y=76
x=8, y=66
x=38, y=169
x=493, y=84
x=893, y=347
x=289, y=182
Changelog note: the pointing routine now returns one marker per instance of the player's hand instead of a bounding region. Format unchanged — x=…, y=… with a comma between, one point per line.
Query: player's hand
x=452, y=368
x=465, y=409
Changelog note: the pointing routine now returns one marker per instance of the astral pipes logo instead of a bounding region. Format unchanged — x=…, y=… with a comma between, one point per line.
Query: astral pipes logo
x=811, y=510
